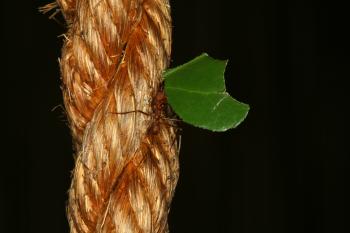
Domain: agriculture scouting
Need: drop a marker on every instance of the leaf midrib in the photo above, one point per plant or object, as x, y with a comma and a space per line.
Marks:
198, 92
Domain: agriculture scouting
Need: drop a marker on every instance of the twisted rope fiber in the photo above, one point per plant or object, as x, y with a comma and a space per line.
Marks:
126, 164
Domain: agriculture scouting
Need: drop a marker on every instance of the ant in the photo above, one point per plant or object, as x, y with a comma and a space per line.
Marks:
160, 112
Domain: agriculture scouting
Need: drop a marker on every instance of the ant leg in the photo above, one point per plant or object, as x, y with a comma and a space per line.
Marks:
176, 138
171, 123
133, 111
172, 119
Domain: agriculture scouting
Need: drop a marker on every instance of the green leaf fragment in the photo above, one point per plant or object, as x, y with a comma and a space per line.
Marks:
196, 92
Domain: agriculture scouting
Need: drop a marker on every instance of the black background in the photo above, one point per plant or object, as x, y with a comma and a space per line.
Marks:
283, 170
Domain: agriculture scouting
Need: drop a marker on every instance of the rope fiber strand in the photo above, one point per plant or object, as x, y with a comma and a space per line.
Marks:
126, 170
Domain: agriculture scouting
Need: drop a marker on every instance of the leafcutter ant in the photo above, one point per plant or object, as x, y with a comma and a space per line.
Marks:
161, 112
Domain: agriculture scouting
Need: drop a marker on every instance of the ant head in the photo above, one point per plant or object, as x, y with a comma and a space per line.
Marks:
160, 106
159, 101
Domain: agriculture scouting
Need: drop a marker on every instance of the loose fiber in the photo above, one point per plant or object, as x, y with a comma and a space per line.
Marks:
112, 62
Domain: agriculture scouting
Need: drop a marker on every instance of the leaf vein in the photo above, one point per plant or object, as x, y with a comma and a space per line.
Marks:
219, 102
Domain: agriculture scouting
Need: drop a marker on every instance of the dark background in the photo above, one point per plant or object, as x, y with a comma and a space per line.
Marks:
283, 170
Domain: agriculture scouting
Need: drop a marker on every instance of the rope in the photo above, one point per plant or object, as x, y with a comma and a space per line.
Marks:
113, 57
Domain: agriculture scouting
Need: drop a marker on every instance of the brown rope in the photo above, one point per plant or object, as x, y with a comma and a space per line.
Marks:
126, 164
